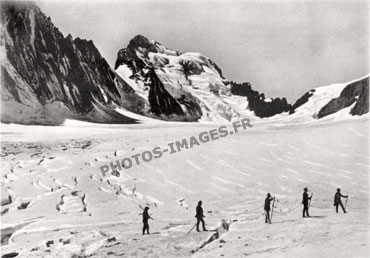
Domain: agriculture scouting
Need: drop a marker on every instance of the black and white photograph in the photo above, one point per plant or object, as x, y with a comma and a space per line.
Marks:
187, 128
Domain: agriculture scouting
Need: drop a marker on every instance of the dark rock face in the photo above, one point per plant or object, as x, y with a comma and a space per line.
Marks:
138, 43
267, 109
190, 68
362, 105
165, 105
163, 102
257, 102
355, 92
302, 100
55, 76
242, 89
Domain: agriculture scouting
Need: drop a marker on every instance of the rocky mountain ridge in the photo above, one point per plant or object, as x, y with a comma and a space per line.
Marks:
356, 94
47, 78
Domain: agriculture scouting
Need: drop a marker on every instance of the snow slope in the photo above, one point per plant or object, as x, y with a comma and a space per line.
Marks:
61, 205
321, 97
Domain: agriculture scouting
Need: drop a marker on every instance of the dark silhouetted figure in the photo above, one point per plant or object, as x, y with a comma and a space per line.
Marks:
146, 217
338, 201
305, 203
199, 215
267, 208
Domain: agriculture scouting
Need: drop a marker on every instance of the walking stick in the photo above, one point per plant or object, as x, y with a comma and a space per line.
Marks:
272, 210
191, 229
345, 205
309, 203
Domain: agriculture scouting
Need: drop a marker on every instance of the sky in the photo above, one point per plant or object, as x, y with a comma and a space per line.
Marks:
282, 47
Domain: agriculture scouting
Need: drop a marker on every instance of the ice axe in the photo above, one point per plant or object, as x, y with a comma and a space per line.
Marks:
272, 210
309, 203
191, 229
345, 205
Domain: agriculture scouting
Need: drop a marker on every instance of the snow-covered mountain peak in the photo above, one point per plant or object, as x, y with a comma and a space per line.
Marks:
190, 79
47, 78
194, 84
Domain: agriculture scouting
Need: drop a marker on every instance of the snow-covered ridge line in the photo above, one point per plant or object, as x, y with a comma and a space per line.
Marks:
330, 100
194, 79
149, 80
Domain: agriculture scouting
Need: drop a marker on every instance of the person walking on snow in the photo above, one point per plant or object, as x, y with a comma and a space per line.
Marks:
199, 215
305, 203
146, 218
338, 201
267, 208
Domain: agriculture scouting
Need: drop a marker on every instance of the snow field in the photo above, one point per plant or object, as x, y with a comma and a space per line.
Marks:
100, 215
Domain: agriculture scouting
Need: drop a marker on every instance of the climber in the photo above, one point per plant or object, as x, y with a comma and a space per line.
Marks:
146, 217
199, 215
267, 208
305, 203
338, 201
